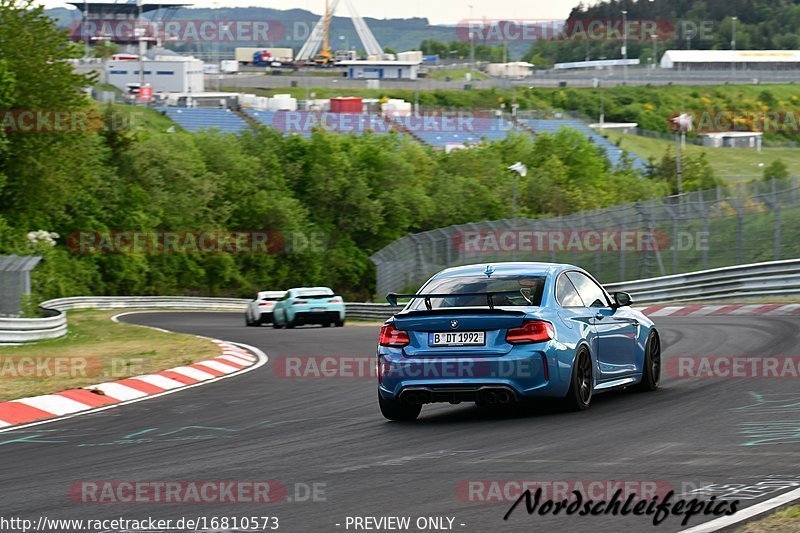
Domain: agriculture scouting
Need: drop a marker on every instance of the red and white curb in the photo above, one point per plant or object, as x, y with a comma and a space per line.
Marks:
235, 359
721, 310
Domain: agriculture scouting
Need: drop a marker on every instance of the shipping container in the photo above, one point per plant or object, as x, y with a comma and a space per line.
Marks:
347, 105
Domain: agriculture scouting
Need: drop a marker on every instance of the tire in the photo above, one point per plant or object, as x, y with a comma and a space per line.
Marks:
290, 324
247, 322
581, 386
275, 324
651, 374
326, 324
340, 323
398, 411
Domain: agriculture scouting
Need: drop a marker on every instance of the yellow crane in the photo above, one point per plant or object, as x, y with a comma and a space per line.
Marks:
325, 58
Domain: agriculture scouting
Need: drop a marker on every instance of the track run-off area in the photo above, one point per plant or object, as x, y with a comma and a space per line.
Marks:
324, 442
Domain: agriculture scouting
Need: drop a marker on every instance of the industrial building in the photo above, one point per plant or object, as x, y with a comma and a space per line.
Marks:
173, 74
382, 70
517, 70
728, 59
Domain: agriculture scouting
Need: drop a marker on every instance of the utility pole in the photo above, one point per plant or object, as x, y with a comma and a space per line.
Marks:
733, 42
625, 44
471, 42
655, 50
142, 47
85, 29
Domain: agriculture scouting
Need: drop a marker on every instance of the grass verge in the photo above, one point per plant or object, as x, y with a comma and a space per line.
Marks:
732, 165
94, 350
785, 521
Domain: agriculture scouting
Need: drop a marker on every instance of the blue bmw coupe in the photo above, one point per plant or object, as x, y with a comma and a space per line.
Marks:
508, 332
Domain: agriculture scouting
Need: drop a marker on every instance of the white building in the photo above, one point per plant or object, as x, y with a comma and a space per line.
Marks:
726, 59
519, 69
173, 74
734, 139
382, 70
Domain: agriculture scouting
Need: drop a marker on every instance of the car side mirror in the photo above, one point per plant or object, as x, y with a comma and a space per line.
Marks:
622, 299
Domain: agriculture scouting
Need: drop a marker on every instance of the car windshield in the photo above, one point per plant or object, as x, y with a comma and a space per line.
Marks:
508, 291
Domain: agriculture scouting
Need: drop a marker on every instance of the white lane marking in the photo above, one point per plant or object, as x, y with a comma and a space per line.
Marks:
747, 309
234, 359
216, 365
707, 310
55, 404
666, 311
242, 355
160, 381
262, 360
193, 373
119, 392
745, 514
784, 310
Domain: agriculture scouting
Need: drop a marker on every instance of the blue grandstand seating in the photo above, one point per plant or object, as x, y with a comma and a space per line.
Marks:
196, 119
442, 131
613, 151
304, 122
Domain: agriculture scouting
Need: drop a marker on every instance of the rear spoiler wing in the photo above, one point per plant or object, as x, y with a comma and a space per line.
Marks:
393, 297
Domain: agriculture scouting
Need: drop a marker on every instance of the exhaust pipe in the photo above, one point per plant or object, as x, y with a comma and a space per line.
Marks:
495, 397
415, 397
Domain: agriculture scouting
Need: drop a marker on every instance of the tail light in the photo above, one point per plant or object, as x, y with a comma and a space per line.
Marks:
268, 304
335, 301
531, 332
300, 302
393, 338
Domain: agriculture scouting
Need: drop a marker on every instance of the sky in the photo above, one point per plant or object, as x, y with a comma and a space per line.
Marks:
437, 11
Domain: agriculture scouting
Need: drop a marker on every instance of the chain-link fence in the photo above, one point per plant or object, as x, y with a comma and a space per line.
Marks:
745, 223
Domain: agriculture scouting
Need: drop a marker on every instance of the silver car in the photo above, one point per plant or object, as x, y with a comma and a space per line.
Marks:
261, 310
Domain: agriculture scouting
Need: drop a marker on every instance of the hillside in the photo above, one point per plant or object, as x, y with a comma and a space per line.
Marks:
397, 34
707, 25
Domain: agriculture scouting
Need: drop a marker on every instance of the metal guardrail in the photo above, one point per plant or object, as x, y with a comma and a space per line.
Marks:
16, 330
759, 280
146, 302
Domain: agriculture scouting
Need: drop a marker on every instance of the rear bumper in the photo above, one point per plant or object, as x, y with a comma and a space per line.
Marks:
487, 394
309, 317
265, 318
524, 372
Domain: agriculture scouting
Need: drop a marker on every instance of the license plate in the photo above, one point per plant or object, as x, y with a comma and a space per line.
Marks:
318, 310
457, 338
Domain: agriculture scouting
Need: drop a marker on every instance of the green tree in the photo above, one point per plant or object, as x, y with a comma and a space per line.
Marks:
777, 170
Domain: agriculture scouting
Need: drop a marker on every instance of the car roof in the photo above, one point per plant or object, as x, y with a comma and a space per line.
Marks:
507, 269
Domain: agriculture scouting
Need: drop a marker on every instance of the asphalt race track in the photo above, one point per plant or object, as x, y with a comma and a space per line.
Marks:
731, 438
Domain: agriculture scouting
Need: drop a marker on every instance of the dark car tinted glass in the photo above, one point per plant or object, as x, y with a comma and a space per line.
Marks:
517, 291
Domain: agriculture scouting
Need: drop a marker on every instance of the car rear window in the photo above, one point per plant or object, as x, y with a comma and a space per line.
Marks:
313, 293
515, 289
